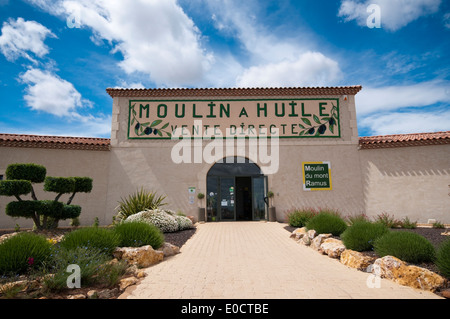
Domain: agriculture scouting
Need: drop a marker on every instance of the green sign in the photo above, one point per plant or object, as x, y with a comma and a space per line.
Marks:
316, 176
235, 118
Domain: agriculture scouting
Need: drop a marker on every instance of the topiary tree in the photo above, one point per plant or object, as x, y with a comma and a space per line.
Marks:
44, 213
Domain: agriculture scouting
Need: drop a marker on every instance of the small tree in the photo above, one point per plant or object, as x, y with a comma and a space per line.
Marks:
19, 181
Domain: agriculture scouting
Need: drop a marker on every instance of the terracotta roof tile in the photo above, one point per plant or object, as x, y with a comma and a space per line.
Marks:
103, 144
55, 142
400, 140
202, 92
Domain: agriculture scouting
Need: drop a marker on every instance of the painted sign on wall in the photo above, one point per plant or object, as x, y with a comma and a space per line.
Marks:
316, 176
290, 118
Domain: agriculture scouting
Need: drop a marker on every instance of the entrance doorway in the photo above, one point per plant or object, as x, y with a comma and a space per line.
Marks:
236, 189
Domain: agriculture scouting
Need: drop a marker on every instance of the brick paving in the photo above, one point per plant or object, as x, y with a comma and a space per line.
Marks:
257, 260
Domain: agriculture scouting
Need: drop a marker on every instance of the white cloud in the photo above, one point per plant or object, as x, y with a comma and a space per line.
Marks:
20, 37
155, 37
274, 58
404, 123
446, 20
47, 92
395, 14
309, 69
390, 98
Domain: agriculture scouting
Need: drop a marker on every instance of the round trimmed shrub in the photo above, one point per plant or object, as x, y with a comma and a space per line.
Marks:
59, 184
83, 184
25, 208
361, 235
136, 234
405, 245
443, 258
104, 239
158, 217
30, 172
327, 223
23, 251
15, 187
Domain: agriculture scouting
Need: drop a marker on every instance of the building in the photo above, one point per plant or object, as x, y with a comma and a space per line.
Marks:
236, 145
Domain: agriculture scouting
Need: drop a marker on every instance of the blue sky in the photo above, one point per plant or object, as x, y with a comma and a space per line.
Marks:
58, 57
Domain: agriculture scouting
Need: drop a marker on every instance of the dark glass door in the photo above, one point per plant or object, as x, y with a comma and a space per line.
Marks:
259, 190
227, 198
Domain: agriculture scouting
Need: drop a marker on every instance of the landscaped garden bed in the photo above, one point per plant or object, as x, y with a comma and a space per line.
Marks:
401, 246
91, 262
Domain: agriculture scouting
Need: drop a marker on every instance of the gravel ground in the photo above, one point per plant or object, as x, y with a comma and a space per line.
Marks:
179, 238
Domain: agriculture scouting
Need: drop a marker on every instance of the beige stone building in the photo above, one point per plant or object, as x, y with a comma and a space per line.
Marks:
237, 145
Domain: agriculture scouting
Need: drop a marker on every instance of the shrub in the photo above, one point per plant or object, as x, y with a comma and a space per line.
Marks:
137, 202
405, 245
158, 217
83, 184
25, 208
94, 268
23, 251
387, 220
361, 235
357, 218
443, 258
407, 224
327, 222
30, 172
19, 182
15, 187
61, 185
299, 218
438, 224
103, 239
182, 220
136, 234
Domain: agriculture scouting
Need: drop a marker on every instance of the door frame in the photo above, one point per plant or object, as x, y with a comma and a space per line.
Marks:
219, 196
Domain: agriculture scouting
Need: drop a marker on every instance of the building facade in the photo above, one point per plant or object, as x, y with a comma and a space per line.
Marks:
236, 146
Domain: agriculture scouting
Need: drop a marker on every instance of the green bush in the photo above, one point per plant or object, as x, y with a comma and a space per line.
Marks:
15, 187
299, 218
387, 220
25, 208
83, 184
136, 234
103, 239
30, 172
407, 224
137, 202
71, 211
405, 245
361, 235
94, 268
50, 208
59, 184
23, 251
327, 223
19, 182
357, 218
443, 258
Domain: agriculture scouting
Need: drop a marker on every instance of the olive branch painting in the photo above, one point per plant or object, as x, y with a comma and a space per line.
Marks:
148, 128
319, 126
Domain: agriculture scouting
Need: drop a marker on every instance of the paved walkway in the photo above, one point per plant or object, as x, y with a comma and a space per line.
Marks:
257, 260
